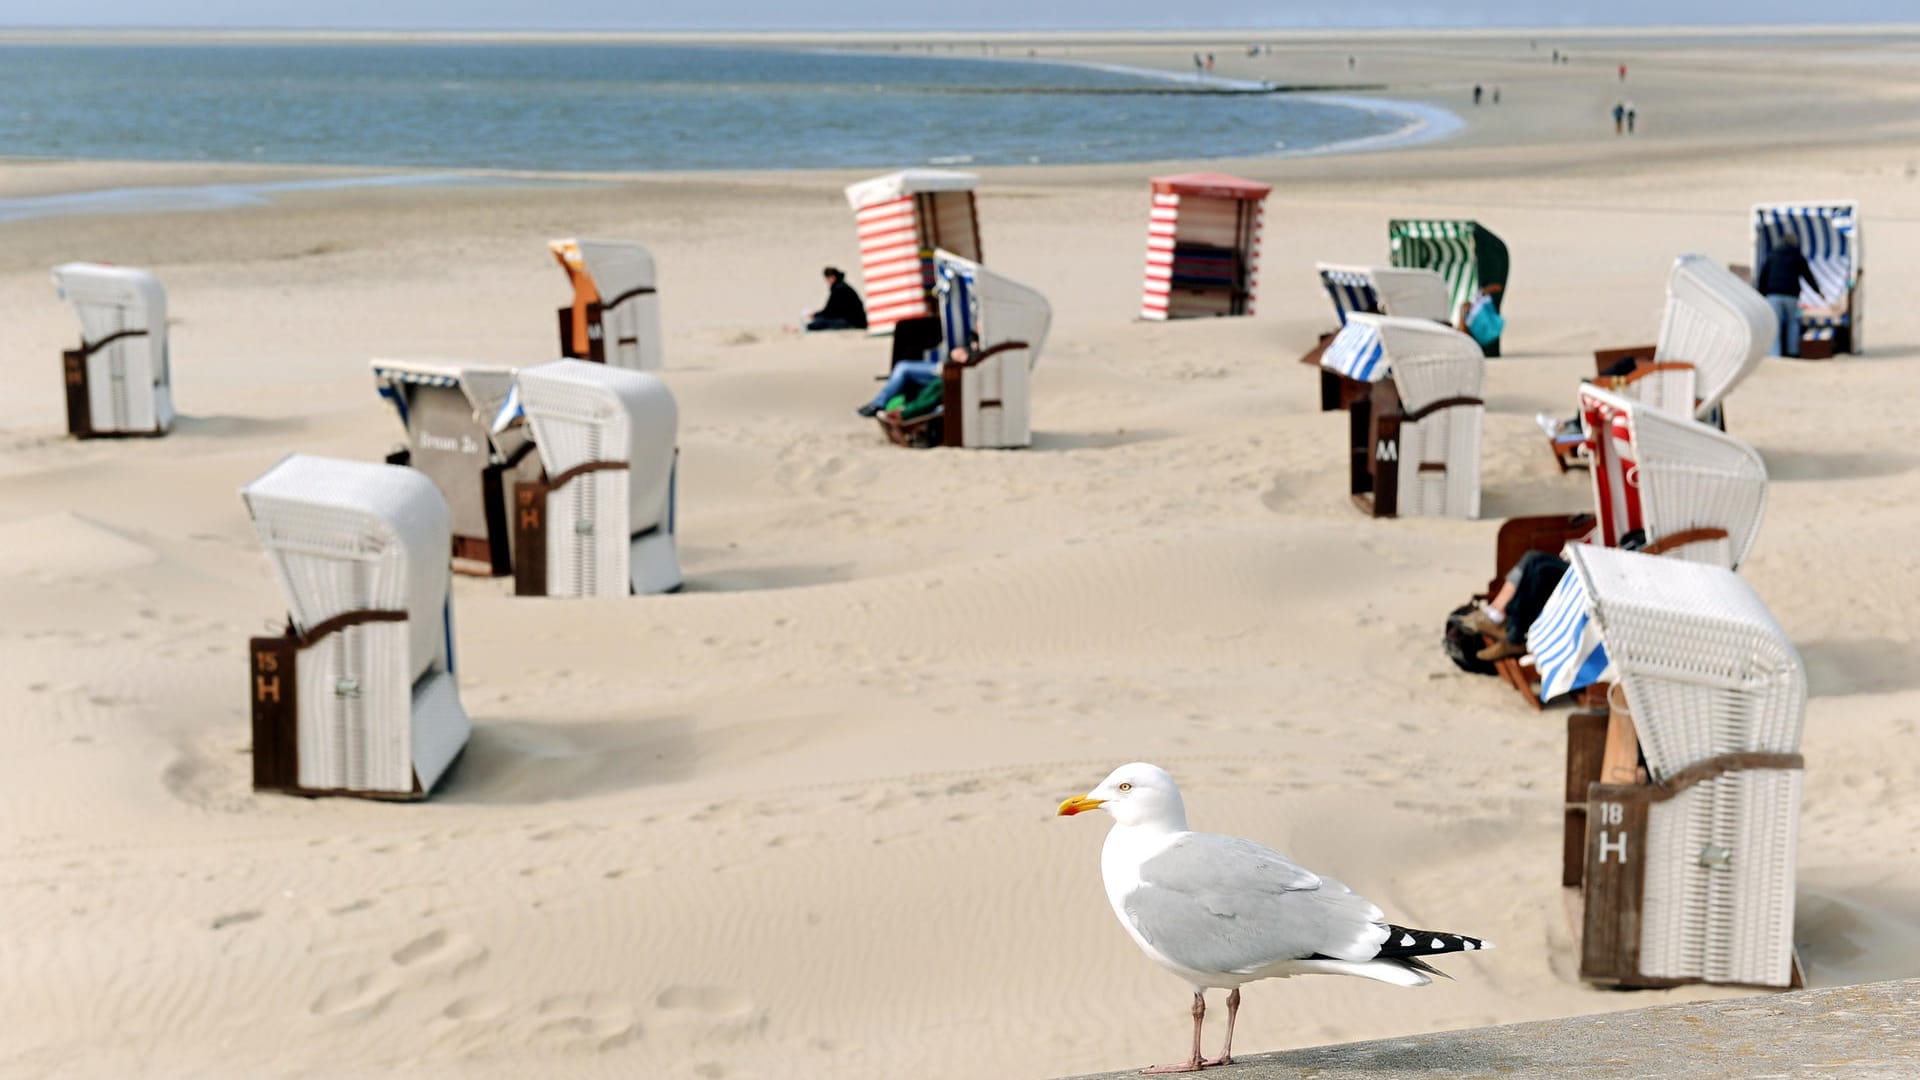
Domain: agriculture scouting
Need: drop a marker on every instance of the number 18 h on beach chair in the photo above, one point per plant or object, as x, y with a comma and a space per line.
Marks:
117, 380
358, 696
1415, 438
1688, 877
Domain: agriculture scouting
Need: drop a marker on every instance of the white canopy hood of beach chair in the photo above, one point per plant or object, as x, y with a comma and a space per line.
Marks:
892, 186
1429, 361
96, 288
1004, 309
128, 384
583, 413
1407, 292
485, 386
1717, 323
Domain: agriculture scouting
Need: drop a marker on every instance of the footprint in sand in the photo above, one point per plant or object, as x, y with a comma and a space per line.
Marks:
706, 1004
585, 1022
360, 995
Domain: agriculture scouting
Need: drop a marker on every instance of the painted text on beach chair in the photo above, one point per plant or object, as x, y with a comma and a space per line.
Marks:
1830, 237
903, 217
117, 380
358, 697
600, 520
447, 408
615, 314
1466, 253
1411, 293
1415, 439
986, 398
1203, 246
1689, 878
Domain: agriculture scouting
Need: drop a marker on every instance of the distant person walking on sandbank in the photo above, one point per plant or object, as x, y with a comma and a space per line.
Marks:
1476, 93
1623, 73
1496, 95
1619, 117
1630, 115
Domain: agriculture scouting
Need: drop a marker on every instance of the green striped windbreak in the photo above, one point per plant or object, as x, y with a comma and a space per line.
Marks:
1446, 247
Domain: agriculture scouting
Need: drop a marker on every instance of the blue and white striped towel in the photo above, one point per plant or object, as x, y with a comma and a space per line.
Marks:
1566, 645
1357, 353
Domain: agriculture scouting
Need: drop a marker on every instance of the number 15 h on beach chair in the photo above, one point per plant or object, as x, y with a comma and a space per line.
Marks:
1415, 439
117, 380
358, 697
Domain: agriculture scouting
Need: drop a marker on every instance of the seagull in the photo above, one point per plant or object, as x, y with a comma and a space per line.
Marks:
1219, 911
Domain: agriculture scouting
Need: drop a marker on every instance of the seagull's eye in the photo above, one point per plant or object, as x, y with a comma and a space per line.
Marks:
1126, 787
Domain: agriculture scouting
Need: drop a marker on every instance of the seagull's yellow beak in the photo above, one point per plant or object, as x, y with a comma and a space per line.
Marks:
1079, 804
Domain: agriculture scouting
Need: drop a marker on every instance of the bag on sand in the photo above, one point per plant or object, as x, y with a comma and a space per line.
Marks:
1462, 644
1484, 322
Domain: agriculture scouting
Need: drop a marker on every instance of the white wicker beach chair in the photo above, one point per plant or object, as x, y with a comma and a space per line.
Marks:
447, 408
615, 314
1408, 292
1715, 322
1696, 492
117, 380
986, 400
1718, 696
358, 698
1418, 435
1830, 236
601, 521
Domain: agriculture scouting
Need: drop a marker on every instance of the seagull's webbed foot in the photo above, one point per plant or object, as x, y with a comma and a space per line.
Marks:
1177, 1067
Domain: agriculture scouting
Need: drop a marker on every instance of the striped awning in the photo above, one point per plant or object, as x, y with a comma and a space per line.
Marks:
1351, 290
1565, 642
1829, 238
1357, 352
1445, 247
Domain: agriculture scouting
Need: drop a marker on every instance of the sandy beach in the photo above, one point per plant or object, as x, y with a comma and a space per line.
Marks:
797, 821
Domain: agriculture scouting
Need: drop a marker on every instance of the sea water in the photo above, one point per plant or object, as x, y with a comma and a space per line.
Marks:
620, 107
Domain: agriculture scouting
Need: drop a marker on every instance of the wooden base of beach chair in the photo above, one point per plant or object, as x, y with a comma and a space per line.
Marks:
1816, 348
1336, 390
275, 695
920, 433
595, 346
73, 371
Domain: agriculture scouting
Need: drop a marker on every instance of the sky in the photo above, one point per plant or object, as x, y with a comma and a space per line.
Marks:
908, 15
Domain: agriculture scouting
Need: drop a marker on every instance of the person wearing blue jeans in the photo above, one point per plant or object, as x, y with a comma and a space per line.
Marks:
906, 375
1778, 280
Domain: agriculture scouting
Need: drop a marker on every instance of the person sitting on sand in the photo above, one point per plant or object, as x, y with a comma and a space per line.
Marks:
844, 311
909, 376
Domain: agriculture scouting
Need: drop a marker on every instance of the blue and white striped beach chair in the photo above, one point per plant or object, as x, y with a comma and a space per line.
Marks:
1829, 236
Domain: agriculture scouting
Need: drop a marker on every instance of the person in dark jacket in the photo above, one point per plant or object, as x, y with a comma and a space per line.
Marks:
844, 311
1779, 281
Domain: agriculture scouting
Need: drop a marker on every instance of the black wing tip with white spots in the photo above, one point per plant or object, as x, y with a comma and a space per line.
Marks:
1404, 942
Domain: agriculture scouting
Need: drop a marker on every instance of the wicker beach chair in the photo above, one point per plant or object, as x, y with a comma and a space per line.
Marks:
1689, 877
986, 398
117, 381
615, 314
1713, 334
446, 408
600, 519
1466, 253
1415, 436
1830, 238
358, 696
1694, 492
1411, 293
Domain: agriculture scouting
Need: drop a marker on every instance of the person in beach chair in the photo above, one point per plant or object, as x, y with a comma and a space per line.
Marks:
843, 310
1505, 618
910, 380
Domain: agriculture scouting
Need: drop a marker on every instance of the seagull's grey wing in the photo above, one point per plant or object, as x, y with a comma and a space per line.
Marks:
1213, 903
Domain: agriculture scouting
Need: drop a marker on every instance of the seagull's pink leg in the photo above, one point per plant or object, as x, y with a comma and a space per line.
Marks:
1233, 1010
1193, 1063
